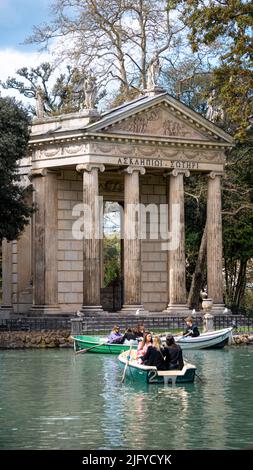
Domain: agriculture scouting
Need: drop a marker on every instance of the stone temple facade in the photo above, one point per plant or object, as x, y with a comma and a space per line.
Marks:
140, 152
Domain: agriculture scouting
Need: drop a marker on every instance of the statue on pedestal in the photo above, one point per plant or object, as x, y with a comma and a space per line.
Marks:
153, 71
214, 111
90, 91
39, 96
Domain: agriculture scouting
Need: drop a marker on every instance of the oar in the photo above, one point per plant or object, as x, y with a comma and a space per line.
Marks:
88, 349
127, 361
197, 375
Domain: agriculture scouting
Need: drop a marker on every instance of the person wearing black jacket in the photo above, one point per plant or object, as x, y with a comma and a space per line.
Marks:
191, 330
154, 355
173, 354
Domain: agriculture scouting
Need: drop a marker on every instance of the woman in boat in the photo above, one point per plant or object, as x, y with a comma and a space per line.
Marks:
173, 354
115, 336
129, 335
144, 344
139, 332
154, 355
192, 329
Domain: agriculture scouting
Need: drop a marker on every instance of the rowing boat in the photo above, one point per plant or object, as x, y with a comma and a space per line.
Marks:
210, 340
98, 344
136, 372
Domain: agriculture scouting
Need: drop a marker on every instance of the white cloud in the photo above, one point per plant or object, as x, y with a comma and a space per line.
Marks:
11, 60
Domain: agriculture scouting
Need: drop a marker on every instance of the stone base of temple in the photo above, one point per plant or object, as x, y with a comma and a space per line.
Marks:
91, 310
45, 310
219, 309
6, 311
133, 309
177, 310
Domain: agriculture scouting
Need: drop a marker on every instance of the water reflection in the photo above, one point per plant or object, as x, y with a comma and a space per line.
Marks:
54, 400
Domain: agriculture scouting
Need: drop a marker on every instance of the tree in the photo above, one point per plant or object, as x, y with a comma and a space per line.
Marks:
116, 39
62, 94
230, 22
14, 135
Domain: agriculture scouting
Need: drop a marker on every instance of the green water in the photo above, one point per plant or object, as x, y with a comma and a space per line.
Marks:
54, 400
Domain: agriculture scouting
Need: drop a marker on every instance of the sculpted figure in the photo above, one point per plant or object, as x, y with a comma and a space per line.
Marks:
153, 71
214, 112
90, 92
39, 96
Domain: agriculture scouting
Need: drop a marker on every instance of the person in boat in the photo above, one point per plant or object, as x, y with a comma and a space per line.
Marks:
115, 336
154, 355
139, 332
129, 335
144, 345
192, 329
173, 354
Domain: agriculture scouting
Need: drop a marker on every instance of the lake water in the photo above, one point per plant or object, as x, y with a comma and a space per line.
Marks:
51, 399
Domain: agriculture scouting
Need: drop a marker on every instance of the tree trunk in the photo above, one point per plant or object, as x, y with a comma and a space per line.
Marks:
198, 275
241, 283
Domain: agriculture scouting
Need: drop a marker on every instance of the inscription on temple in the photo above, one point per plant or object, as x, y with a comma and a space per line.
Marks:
154, 162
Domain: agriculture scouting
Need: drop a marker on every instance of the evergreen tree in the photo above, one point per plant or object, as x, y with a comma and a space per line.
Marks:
14, 135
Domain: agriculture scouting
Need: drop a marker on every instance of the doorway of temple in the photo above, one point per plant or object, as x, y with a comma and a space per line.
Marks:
112, 281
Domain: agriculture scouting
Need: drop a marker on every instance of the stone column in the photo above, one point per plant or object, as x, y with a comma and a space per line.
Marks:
132, 242
45, 242
214, 242
176, 246
7, 306
91, 241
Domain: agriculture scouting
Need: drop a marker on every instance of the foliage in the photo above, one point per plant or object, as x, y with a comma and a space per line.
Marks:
116, 39
61, 94
231, 23
14, 134
111, 259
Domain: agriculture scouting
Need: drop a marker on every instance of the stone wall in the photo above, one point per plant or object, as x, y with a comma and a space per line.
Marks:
35, 339
70, 250
154, 259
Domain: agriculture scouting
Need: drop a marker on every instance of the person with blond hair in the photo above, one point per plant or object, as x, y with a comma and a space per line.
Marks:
154, 355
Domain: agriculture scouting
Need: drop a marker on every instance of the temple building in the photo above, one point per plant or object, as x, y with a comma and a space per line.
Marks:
137, 155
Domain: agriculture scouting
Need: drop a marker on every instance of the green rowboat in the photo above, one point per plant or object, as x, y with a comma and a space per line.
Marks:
98, 344
136, 372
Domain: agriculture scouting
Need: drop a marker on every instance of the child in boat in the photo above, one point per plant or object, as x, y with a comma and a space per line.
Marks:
115, 336
173, 354
154, 355
192, 329
144, 345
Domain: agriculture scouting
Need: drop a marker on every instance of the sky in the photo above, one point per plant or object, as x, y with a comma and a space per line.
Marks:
17, 18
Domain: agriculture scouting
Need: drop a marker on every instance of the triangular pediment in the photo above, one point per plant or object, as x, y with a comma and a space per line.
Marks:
158, 116
157, 122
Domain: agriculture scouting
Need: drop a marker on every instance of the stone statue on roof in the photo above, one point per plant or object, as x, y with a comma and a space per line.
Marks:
153, 71
90, 91
214, 111
39, 96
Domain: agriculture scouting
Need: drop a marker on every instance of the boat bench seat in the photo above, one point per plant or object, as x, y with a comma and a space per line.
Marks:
173, 373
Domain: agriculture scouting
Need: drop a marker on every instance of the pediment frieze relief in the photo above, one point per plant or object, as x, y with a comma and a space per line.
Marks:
158, 122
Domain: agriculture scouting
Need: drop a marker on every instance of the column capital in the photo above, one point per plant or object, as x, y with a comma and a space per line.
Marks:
42, 172
213, 174
131, 169
178, 171
90, 166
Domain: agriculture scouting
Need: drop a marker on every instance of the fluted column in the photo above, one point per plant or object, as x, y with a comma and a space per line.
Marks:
6, 307
176, 246
91, 241
45, 242
132, 242
214, 241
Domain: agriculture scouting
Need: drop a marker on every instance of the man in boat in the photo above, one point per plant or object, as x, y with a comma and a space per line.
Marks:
173, 354
192, 329
115, 336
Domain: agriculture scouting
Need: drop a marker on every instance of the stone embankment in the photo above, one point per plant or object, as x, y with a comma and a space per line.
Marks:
243, 338
35, 339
